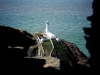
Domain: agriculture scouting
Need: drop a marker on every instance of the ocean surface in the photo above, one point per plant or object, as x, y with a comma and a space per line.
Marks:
67, 18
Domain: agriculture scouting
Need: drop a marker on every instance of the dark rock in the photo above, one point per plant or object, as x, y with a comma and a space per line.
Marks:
71, 55
14, 42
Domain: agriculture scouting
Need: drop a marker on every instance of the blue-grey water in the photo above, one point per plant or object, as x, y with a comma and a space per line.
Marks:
67, 18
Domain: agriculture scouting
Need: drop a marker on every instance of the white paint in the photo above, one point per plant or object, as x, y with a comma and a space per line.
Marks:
48, 33
47, 26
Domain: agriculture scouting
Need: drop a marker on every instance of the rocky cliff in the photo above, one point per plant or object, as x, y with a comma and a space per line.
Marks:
17, 44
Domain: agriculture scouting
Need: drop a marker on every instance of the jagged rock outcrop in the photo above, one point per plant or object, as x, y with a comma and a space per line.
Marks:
71, 55
16, 44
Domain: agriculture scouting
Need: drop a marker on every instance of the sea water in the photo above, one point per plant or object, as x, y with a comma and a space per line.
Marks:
67, 18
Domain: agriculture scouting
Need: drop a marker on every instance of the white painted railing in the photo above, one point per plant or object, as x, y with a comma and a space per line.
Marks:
52, 47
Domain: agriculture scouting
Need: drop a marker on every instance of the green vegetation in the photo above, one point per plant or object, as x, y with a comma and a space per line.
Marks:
61, 51
60, 48
58, 45
47, 46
